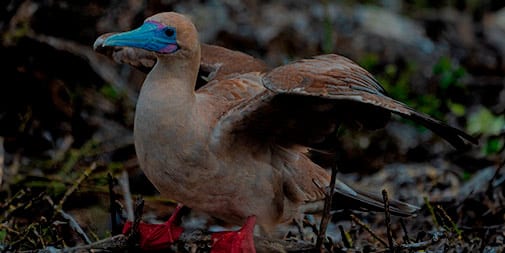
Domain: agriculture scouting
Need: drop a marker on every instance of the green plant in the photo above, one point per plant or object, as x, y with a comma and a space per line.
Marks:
490, 126
450, 73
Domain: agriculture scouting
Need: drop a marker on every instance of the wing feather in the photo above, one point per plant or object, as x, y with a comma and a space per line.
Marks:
306, 99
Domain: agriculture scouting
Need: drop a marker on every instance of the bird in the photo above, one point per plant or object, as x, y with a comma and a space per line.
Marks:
238, 146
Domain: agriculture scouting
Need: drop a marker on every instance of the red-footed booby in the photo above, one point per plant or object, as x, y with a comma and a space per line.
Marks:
236, 148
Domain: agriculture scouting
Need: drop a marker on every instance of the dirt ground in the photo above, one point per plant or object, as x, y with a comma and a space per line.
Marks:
67, 160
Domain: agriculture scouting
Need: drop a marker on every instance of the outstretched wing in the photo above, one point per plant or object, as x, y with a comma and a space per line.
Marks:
216, 62
307, 99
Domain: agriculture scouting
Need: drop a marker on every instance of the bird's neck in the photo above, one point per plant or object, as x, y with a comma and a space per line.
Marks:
166, 120
167, 100
174, 78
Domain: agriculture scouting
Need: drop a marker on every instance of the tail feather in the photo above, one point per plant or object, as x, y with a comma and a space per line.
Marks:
361, 200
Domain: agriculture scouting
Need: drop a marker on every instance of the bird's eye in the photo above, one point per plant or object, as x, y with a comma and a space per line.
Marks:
169, 32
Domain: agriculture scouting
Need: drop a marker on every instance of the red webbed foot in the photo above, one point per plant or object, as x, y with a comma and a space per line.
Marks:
241, 241
158, 236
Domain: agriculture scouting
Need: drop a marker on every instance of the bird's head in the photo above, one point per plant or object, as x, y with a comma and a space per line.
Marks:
166, 33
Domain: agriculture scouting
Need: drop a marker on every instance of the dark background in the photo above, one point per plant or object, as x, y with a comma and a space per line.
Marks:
65, 109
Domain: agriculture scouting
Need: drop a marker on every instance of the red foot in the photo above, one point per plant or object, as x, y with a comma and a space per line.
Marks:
240, 241
158, 236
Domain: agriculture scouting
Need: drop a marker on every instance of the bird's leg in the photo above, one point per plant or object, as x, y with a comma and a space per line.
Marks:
241, 241
158, 236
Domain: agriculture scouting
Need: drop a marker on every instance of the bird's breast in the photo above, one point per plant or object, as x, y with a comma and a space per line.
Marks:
170, 145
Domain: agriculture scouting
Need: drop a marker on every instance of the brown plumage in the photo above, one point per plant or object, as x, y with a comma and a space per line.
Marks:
237, 146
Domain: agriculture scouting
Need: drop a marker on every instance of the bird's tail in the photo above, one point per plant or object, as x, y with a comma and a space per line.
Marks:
346, 198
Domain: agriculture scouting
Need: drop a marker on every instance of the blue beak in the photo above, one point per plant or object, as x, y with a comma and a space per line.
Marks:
152, 36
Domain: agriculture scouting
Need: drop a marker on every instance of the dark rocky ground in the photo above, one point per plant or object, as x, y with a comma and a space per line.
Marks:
66, 115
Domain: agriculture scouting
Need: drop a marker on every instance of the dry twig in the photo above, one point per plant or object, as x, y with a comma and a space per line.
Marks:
74, 187
368, 229
405, 232
346, 239
448, 218
327, 206
388, 219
